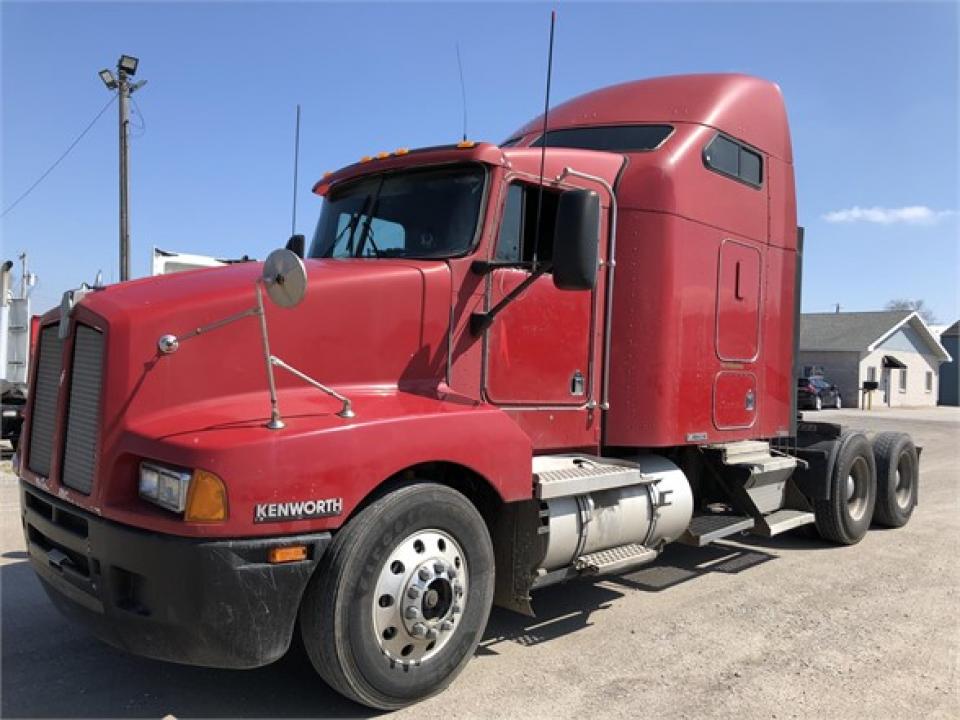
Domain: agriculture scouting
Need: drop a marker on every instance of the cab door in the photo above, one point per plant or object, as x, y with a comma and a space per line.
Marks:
538, 350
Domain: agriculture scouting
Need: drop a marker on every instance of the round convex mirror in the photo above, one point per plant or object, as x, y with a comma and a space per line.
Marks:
285, 278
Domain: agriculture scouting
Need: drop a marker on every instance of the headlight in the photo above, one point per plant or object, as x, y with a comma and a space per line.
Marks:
164, 486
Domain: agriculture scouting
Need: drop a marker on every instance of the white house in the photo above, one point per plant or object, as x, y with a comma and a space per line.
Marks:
895, 349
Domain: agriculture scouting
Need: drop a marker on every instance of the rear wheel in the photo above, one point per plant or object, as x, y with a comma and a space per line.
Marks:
898, 475
402, 597
845, 516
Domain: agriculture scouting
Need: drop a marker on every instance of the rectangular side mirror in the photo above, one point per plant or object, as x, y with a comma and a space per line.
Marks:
576, 241
297, 245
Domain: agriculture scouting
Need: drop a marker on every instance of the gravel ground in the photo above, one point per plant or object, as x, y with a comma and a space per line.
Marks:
782, 628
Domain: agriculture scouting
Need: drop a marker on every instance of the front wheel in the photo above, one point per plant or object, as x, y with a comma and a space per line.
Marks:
398, 605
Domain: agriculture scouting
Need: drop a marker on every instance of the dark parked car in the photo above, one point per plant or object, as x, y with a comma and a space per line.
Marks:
816, 393
12, 422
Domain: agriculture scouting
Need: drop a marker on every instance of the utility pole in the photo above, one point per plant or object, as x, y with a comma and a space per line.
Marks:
126, 68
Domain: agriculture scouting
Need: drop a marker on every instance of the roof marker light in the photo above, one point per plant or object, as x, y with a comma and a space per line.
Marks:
382, 155
366, 158
466, 144
401, 151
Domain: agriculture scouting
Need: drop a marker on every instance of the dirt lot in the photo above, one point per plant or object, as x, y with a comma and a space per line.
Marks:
781, 628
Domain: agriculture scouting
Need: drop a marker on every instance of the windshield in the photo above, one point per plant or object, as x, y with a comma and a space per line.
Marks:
426, 213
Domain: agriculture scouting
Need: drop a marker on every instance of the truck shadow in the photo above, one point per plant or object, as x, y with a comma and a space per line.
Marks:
52, 668
562, 610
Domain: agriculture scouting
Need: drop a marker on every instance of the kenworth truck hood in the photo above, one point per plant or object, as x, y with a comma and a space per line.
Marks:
363, 325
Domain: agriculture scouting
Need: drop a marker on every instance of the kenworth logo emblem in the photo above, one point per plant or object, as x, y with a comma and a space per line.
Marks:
300, 510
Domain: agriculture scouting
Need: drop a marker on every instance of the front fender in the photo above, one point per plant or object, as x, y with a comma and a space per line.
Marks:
320, 456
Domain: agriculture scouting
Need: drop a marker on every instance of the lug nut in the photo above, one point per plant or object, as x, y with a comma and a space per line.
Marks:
446, 626
458, 589
419, 630
411, 613
424, 573
413, 593
439, 567
431, 634
455, 609
452, 572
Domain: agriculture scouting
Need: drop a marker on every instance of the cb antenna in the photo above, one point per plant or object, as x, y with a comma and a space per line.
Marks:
463, 93
543, 139
296, 165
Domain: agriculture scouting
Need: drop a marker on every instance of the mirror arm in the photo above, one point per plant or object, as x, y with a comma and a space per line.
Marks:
480, 321
169, 343
482, 267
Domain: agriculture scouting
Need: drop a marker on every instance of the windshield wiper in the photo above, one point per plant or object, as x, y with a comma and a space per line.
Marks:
366, 225
351, 226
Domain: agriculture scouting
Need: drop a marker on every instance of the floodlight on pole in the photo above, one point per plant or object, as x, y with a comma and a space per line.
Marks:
108, 79
128, 64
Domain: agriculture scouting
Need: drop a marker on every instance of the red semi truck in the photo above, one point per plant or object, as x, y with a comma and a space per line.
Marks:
473, 385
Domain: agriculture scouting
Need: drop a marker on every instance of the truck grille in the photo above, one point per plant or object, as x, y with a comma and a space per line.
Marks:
46, 395
83, 414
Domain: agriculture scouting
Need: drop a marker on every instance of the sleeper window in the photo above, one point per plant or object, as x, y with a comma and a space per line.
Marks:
729, 157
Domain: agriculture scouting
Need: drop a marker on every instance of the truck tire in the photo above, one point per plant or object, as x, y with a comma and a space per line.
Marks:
898, 476
845, 517
398, 604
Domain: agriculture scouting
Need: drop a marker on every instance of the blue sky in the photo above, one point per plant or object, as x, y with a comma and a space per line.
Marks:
871, 89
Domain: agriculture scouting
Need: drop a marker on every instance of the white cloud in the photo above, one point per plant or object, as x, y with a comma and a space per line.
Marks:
912, 214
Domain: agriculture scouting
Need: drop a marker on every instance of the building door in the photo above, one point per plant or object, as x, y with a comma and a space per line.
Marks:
885, 385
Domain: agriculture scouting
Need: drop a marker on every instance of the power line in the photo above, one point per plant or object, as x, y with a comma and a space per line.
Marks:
142, 126
59, 159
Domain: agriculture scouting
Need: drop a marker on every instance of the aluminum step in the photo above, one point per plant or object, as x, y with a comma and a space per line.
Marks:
615, 559
781, 521
704, 529
565, 475
755, 453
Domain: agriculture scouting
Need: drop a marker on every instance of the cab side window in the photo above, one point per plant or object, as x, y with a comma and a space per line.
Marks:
517, 241
728, 157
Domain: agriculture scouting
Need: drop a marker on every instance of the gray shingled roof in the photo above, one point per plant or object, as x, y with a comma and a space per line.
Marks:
847, 330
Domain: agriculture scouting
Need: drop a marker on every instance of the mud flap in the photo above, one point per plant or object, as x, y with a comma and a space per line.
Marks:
519, 546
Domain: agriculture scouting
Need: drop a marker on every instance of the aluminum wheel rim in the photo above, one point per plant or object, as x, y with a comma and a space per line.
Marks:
904, 488
420, 595
858, 484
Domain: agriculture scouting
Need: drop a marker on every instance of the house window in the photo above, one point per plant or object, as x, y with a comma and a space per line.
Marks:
903, 380
871, 374
731, 158
929, 381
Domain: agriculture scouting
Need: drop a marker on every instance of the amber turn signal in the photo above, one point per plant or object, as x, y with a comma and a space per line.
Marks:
206, 498
287, 554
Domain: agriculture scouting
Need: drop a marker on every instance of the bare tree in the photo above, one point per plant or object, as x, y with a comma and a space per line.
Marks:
918, 306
